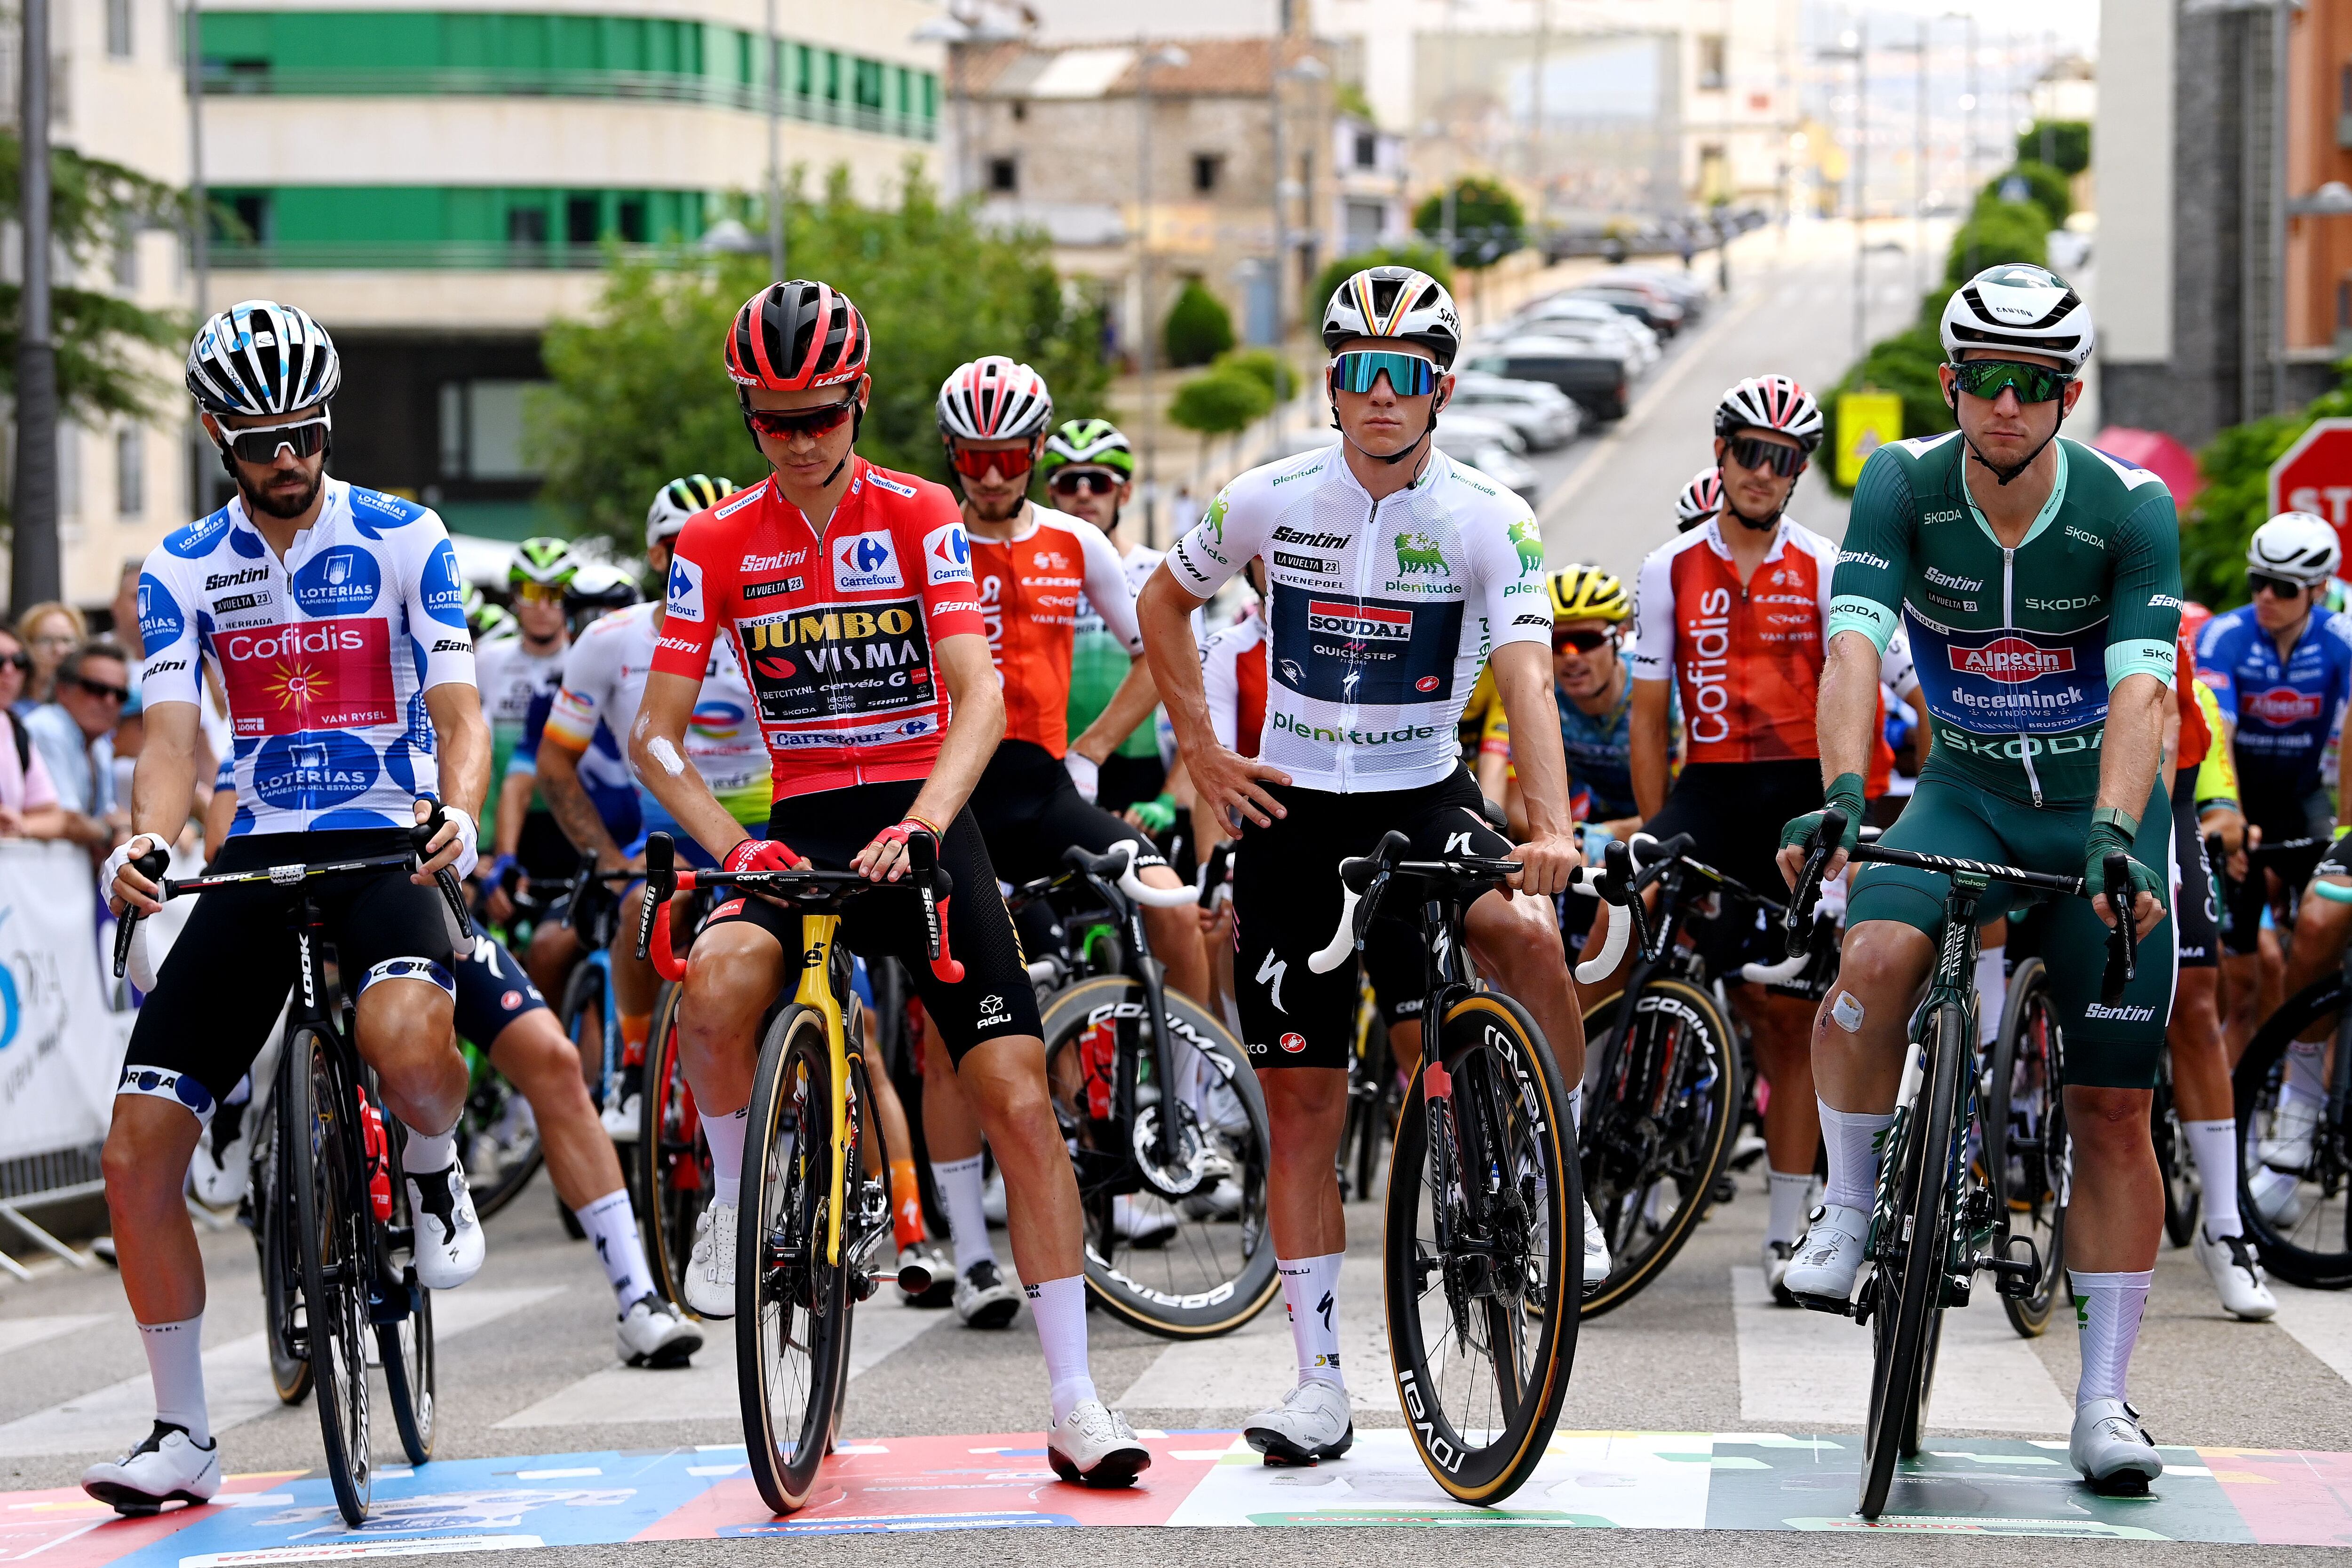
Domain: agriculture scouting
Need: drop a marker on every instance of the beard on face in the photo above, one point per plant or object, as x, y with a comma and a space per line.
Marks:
293, 506
996, 508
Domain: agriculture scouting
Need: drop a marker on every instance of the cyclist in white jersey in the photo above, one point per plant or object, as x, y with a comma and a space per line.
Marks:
514, 671
334, 617
1393, 572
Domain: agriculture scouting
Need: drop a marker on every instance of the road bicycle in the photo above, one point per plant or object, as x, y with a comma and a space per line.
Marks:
816, 1204
334, 1188
1942, 1211
1481, 1245
2294, 1193
1163, 1116
2024, 1138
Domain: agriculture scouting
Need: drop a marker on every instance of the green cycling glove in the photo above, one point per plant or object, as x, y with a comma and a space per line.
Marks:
1845, 794
1157, 816
2110, 830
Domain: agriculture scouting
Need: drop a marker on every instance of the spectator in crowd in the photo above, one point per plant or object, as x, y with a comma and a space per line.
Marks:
125, 610
49, 631
75, 734
28, 800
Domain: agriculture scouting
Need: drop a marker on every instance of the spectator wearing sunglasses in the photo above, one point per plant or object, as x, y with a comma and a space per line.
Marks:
49, 631
74, 736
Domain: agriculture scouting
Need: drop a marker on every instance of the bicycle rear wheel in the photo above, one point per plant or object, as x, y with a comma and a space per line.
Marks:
673, 1159
2181, 1192
330, 1202
497, 1138
2299, 1215
1483, 1244
2028, 1157
1184, 1252
1657, 1130
282, 1310
791, 1304
1912, 1246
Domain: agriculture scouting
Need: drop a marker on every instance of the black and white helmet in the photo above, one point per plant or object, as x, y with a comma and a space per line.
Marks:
680, 499
1394, 302
2022, 308
2298, 546
261, 357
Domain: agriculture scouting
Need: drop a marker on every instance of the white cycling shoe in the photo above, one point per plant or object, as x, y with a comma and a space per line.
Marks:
620, 1118
2109, 1447
166, 1467
1142, 1221
1597, 1261
711, 1272
1829, 1256
2289, 1147
2279, 1198
449, 1246
2236, 1277
991, 1198
219, 1171
654, 1333
1775, 1258
1312, 1424
1095, 1447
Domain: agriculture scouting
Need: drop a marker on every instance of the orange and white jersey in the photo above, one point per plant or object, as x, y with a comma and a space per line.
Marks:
1030, 589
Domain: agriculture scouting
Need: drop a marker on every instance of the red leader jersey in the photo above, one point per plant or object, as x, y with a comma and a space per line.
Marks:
836, 631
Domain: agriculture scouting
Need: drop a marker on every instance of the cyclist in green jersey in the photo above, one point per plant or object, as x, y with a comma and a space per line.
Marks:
2041, 582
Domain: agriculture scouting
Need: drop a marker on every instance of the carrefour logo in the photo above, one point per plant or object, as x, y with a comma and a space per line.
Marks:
340, 582
685, 588
947, 555
865, 561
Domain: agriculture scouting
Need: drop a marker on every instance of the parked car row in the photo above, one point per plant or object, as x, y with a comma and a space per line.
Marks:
1594, 340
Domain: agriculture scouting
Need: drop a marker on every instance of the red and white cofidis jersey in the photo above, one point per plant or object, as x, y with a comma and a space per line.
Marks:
325, 655
1029, 587
1233, 673
838, 633
1746, 658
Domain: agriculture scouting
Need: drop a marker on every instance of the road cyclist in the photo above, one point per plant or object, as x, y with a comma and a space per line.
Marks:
1700, 499
516, 671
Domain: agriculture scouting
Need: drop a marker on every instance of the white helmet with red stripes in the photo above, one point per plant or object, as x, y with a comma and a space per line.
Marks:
1770, 402
994, 398
1700, 499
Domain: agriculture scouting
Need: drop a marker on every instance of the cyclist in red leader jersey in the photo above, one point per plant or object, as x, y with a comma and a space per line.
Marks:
849, 595
1732, 614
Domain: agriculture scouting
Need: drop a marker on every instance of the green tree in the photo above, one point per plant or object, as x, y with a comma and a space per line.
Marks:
1199, 326
1220, 401
2046, 186
2070, 144
2235, 501
640, 393
1488, 222
1427, 259
1267, 366
1997, 231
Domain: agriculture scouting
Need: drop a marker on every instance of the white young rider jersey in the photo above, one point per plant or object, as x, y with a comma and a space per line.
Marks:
510, 675
604, 679
1897, 672
325, 656
1381, 614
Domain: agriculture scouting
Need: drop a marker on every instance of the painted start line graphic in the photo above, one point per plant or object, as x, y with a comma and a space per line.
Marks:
1598, 1480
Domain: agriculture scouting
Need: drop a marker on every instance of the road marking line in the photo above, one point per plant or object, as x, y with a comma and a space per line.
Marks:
2320, 1322
237, 1384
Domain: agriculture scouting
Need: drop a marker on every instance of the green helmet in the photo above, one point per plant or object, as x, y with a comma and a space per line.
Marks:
542, 559
1094, 442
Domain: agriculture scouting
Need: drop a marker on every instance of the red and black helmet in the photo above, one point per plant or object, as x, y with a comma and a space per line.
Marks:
795, 335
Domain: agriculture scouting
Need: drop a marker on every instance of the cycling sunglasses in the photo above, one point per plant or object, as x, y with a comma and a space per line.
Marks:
16, 662
1008, 461
1409, 375
1085, 481
1755, 455
1584, 642
540, 594
1986, 378
260, 444
2279, 586
783, 423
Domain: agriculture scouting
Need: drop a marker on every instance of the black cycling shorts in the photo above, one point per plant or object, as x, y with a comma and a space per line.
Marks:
1287, 906
2281, 818
230, 969
2197, 913
492, 992
1029, 811
1734, 811
828, 829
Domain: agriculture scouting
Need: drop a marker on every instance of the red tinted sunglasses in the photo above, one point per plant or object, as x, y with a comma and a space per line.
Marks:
1007, 462
781, 423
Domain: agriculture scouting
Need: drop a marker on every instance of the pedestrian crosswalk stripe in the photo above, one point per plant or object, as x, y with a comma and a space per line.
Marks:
2320, 1322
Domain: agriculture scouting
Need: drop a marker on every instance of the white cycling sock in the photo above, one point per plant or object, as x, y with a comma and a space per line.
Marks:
176, 1365
1576, 1108
1058, 1307
1851, 1140
1992, 993
1789, 1193
1311, 1295
424, 1154
2214, 1147
2306, 1078
2109, 1307
960, 1191
612, 1223
725, 1136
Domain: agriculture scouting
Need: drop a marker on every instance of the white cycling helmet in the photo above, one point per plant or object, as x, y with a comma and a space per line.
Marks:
2296, 546
1770, 402
2020, 307
1394, 302
260, 356
1700, 499
994, 398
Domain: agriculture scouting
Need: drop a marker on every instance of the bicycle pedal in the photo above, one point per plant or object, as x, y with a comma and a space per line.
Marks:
1826, 1304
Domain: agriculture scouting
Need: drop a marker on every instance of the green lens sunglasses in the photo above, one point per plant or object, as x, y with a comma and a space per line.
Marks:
1986, 378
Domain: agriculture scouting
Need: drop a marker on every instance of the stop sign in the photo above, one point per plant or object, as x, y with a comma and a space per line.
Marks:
2315, 475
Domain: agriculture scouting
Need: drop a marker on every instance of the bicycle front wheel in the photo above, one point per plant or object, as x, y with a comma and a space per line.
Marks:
274, 1230
407, 1346
1183, 1251
1484, 1252
791, 1304
2028, 1158
1657, 1131
329, 1200
673, 1159
2294, 1188
1911, 1245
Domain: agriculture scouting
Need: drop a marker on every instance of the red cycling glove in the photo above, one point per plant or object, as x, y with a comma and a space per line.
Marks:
900, 831
761, 854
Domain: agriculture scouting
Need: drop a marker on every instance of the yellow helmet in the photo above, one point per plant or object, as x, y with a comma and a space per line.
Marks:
1588, 593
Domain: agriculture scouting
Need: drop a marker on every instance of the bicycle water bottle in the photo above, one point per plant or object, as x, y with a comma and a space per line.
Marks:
379, 1158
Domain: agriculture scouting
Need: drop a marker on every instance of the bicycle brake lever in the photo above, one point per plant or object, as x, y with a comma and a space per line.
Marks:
2123, 943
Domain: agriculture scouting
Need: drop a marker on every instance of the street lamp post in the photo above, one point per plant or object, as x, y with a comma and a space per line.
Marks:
775, 149
1308, 69
33, 552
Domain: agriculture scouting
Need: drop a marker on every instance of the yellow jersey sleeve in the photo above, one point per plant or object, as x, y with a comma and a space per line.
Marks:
2216, 776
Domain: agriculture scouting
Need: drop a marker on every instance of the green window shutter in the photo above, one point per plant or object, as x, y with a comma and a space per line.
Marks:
575, 44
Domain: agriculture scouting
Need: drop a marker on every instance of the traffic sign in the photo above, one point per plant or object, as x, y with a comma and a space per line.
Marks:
2315, 475
1866, 421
